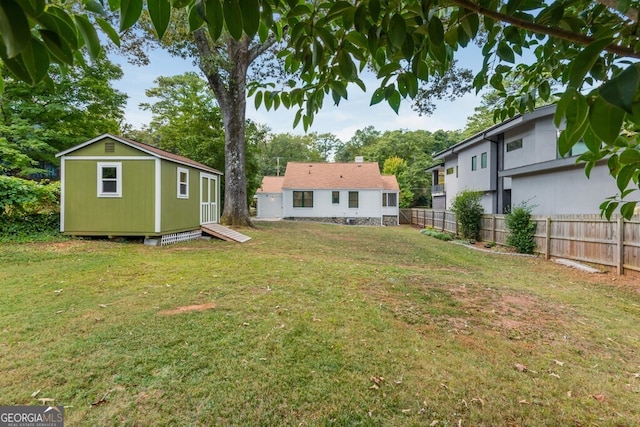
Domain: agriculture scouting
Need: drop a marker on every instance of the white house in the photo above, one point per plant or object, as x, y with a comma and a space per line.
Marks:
343, 193
517, 161
269, 197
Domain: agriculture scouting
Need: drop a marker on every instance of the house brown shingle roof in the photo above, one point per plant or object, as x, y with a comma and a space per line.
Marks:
271, 184
365, 175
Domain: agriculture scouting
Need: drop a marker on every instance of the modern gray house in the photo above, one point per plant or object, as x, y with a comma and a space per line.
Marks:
517, 161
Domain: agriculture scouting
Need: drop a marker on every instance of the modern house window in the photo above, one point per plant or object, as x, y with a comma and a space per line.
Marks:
183, 183
450, 171
483, 160
389, 199
335, 197
514, 145
578, 148
109, 179
353, 199
303, 199
474, 163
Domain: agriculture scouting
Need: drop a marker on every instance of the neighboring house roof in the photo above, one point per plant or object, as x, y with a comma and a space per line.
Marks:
335, 176
271, 184
149, 149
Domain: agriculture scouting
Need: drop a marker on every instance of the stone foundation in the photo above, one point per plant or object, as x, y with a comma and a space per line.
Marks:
342, 221
389, 220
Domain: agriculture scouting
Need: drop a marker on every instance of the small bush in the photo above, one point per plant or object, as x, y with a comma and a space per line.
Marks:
29, 210
521, 228
438, 235
468, 212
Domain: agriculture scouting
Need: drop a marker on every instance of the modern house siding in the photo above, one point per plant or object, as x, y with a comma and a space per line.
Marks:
523, 165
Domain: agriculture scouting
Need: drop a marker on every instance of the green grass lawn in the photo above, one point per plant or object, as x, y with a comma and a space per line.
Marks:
315, 324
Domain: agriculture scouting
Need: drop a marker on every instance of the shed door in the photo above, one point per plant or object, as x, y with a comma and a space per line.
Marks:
208, 198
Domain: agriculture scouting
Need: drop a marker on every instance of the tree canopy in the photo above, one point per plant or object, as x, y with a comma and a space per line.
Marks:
590, 47
38, 121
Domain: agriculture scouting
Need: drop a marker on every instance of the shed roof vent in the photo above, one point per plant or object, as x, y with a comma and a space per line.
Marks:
109, 147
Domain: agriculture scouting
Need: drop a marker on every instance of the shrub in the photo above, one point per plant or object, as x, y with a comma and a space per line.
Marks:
28, 210
468, 212
438, 235
521, 229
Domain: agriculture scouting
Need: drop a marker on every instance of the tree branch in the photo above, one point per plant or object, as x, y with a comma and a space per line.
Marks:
542, 29
213, 76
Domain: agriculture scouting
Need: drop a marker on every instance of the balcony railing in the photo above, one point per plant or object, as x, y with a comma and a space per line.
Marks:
437, 189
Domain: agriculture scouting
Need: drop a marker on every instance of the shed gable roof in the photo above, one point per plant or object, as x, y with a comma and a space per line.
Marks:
328, 176
146, 148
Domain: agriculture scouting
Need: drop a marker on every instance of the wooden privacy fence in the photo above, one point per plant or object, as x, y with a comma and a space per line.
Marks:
614, 244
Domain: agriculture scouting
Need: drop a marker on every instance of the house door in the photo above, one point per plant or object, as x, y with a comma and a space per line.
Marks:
208, 198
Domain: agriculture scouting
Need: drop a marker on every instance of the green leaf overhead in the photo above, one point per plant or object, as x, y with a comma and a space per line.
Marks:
14, 28
214, 17
233, 18
160, 13
130, 11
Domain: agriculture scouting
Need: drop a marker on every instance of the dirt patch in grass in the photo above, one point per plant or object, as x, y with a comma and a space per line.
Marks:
188, 309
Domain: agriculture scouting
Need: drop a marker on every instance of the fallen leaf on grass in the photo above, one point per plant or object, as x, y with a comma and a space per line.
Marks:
559, 362
520, 367
35, 393
553, 374
599, 397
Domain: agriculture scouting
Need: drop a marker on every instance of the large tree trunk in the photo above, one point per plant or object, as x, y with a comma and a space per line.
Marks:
232, 98
236, 210
225, 64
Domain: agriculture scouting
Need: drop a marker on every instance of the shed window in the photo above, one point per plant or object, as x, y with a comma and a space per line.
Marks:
389, 199
303, 199
109, 179
353, 199
335, 197
183, 183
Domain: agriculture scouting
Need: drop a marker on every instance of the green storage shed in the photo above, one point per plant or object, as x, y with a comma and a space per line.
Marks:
113, 186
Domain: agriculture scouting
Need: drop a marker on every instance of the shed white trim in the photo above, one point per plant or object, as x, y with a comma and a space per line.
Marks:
62, 193
158, 196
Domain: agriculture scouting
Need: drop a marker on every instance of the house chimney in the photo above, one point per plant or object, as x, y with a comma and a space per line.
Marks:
359, 159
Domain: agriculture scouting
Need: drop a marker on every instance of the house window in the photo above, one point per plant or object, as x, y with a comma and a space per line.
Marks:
353, 199
483, 160
474, 163
335, 197
109, 179
183, 183
450, 171
514, 145
389, 199
578, 148
303, 199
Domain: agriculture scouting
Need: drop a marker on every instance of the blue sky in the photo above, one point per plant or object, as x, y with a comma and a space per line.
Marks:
342, 120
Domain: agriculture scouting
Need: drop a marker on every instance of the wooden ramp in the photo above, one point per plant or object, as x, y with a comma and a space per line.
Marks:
224, 233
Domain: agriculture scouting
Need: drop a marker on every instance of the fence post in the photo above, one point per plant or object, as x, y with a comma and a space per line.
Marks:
433, 218
493, 228
547, 241
620, 245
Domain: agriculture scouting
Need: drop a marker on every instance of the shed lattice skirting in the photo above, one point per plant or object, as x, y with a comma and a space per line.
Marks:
168, 239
